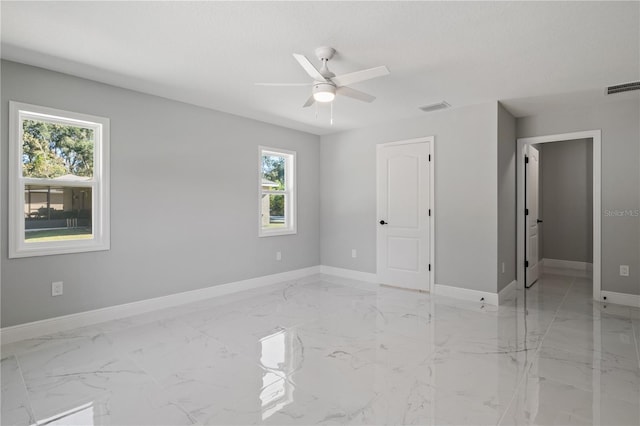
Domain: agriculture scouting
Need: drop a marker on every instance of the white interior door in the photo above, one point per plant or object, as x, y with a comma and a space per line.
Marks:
533, 268
403, 215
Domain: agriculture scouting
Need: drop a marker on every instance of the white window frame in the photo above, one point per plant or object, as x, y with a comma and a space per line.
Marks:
289, 192
99, 183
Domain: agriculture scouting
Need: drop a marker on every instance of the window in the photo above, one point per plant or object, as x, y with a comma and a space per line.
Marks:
59, 181
277, 192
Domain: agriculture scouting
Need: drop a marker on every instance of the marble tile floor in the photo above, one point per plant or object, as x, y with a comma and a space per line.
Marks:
326, 350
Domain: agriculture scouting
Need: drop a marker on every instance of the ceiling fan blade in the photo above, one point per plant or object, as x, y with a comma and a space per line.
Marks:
358, 76
355, 94
284, 84
308, 67
309, 102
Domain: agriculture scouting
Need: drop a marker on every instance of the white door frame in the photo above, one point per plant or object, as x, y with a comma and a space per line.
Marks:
432, 227
533, 267
596, 136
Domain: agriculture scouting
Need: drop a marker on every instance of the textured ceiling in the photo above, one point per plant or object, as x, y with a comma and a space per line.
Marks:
212, 53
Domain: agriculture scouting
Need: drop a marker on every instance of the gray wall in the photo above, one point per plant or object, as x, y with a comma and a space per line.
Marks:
566, 191
466, 197
506, 197
620, 178
183, 201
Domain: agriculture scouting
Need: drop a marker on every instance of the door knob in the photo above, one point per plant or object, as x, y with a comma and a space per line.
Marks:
538, 221
382, 222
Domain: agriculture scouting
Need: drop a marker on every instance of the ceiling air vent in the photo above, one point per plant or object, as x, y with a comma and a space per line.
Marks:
626, 87
435, 107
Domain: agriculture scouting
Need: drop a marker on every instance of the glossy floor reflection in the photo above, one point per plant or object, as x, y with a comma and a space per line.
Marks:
325, 350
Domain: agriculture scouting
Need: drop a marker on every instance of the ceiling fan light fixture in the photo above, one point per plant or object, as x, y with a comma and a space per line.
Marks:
324, 92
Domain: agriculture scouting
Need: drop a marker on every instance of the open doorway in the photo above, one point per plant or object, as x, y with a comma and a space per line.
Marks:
585, 248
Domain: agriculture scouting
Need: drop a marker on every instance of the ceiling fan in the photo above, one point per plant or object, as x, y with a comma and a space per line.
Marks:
326, 85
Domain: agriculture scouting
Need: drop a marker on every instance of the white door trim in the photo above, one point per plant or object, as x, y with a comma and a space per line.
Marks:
532, 204
432, 185
596, 136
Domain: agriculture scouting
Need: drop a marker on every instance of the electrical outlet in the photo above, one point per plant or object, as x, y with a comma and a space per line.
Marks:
278, 255
354, 253
624, 270
56, 288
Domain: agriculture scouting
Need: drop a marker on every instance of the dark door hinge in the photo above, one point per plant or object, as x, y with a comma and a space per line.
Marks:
429, 157
526, 212
526, 160
429, 266
526, 263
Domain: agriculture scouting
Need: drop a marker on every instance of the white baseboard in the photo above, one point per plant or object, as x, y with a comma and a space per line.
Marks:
67, 322
349, 273
506, 292
467, 294
621, 298
444, 290
81, 319
567, 264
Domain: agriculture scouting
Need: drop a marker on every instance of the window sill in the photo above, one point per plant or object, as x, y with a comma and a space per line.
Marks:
264, 233
56, 249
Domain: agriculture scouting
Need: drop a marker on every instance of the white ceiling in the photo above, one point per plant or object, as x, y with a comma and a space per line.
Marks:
526, 54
